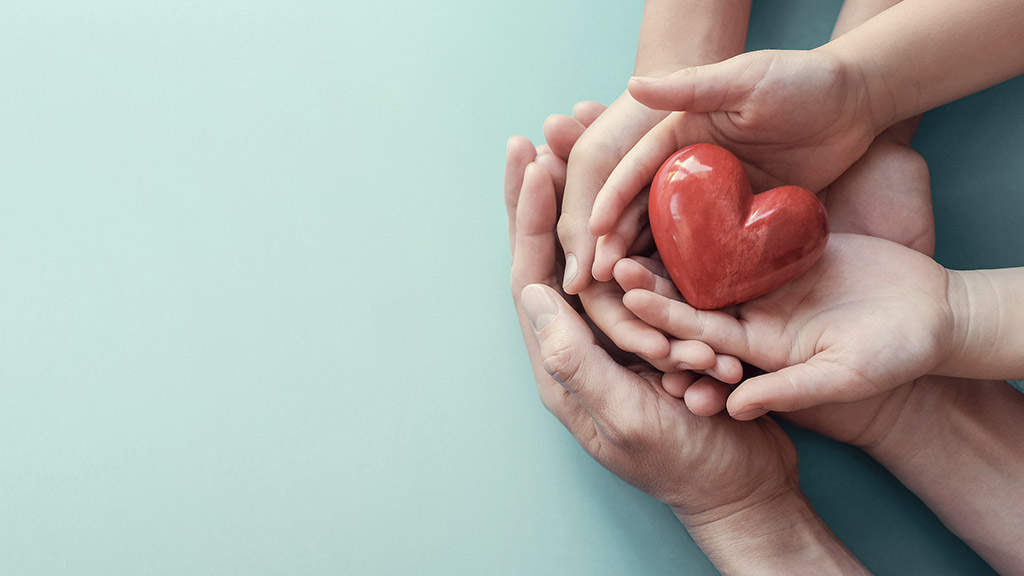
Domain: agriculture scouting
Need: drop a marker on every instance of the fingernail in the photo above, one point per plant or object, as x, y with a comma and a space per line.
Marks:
750, 412
572, 267
539, 306
643, 79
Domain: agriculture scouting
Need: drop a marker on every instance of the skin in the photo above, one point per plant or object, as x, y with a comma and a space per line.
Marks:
732, 484
929, 428
897, 427
673, 34
603, 300
804, 117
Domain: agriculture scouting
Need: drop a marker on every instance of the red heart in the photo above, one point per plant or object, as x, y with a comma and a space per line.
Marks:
722, 244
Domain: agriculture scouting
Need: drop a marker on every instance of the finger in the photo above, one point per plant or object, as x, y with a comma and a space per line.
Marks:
569, 355
519, 152
706, 396
592, 159
553, 395
727, 369
534, 261
534, 258
644, 274
723, 86
690, 355
633, 172
612, 247
586, 112
561, 133
603, 303
676, 383
812, 383
556, 169
722, 332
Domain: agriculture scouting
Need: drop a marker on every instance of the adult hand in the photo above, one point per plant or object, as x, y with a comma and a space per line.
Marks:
732, 484
702, 468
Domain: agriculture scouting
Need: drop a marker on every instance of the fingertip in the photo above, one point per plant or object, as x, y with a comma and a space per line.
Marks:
572, 281
742, 406
747, 413
539, 304
620, 272
656, 346
706, 397
587, 111
551, 121
603, 214
517, 143
695, 354
727, 369
608, 252
676, 383
599, 224
639, 87
629, 274
642, 81
633, 297
533, 171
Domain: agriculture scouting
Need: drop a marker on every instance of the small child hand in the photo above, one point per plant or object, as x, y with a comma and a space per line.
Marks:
792, 117
704, 394
870, 316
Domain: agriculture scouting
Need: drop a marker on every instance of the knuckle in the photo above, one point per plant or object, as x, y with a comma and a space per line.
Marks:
700, 325
569, 227
560, 359
595, 149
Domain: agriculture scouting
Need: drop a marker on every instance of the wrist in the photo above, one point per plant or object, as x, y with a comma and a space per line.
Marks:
677, 35
958, 445
959, 294
779, 534
986, 317
875, 96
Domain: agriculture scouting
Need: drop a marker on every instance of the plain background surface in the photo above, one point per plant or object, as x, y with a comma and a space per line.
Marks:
254, 306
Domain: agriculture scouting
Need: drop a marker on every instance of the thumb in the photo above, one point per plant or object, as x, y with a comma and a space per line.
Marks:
795, 388
721, 87
569, 352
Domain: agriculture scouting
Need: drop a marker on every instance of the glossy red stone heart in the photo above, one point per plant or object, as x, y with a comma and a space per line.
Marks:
721, 243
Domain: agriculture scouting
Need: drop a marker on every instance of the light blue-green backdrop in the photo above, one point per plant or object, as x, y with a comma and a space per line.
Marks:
254, 306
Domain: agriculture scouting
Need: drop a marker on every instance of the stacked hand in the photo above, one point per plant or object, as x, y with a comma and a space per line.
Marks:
791, 117
703, 468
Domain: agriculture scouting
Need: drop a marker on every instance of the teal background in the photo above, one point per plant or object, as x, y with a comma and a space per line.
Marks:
254, 306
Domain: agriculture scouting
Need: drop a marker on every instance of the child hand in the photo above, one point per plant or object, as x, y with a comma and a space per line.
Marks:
603, 300
706, 394
595, 153
791, 117
869, 316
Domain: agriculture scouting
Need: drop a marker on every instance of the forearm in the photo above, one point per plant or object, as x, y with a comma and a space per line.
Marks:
675, 34
856, 12
988, 324
959, 446
920, 54
780, 536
